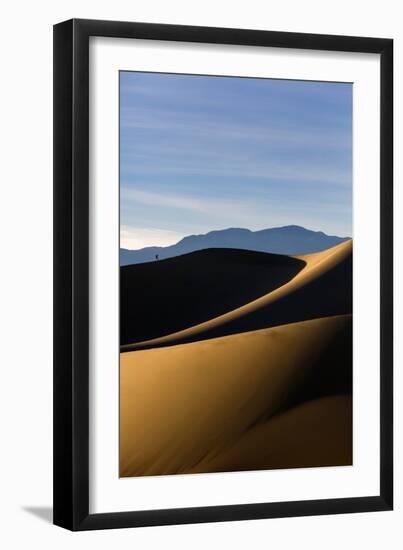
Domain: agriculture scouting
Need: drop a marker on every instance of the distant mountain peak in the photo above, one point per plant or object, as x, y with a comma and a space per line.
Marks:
288, 240
231, 230
292, 227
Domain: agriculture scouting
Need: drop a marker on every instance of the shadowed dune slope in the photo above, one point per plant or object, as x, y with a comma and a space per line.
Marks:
313, 434
249, 397
170, 295
322, 288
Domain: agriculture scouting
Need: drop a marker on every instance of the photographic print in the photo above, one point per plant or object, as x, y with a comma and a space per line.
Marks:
206, 367
235, 274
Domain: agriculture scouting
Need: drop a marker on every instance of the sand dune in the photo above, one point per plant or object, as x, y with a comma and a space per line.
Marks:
314, 433
181, 292
270, 398
323, 287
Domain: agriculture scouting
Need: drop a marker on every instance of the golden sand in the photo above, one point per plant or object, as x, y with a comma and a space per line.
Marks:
316, 265
212, 405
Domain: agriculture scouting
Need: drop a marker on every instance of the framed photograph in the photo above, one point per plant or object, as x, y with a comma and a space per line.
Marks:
223, 240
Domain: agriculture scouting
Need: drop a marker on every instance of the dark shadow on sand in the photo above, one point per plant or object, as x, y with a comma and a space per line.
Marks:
167, 296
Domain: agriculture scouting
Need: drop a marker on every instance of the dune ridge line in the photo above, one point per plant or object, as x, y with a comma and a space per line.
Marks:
316, 265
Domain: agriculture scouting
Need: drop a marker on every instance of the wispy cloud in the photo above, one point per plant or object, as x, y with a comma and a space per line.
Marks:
140, 237
183, 124
171, 142
212, 206
182, 215
268, 171
210, 152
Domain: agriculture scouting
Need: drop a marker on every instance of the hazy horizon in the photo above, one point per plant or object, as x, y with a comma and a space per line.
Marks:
233, 228
202, 153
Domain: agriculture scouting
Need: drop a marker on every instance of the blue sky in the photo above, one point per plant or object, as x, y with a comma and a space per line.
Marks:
199, 153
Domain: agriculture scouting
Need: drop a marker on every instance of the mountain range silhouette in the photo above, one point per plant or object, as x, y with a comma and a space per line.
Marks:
289, 240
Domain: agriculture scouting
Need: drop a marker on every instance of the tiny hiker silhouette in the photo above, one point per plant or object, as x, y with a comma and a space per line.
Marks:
156, 256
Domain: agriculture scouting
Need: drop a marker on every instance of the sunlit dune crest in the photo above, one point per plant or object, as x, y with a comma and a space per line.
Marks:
316, 266
171, 295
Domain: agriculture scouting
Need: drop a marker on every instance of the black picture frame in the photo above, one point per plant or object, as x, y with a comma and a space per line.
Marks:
71, 274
